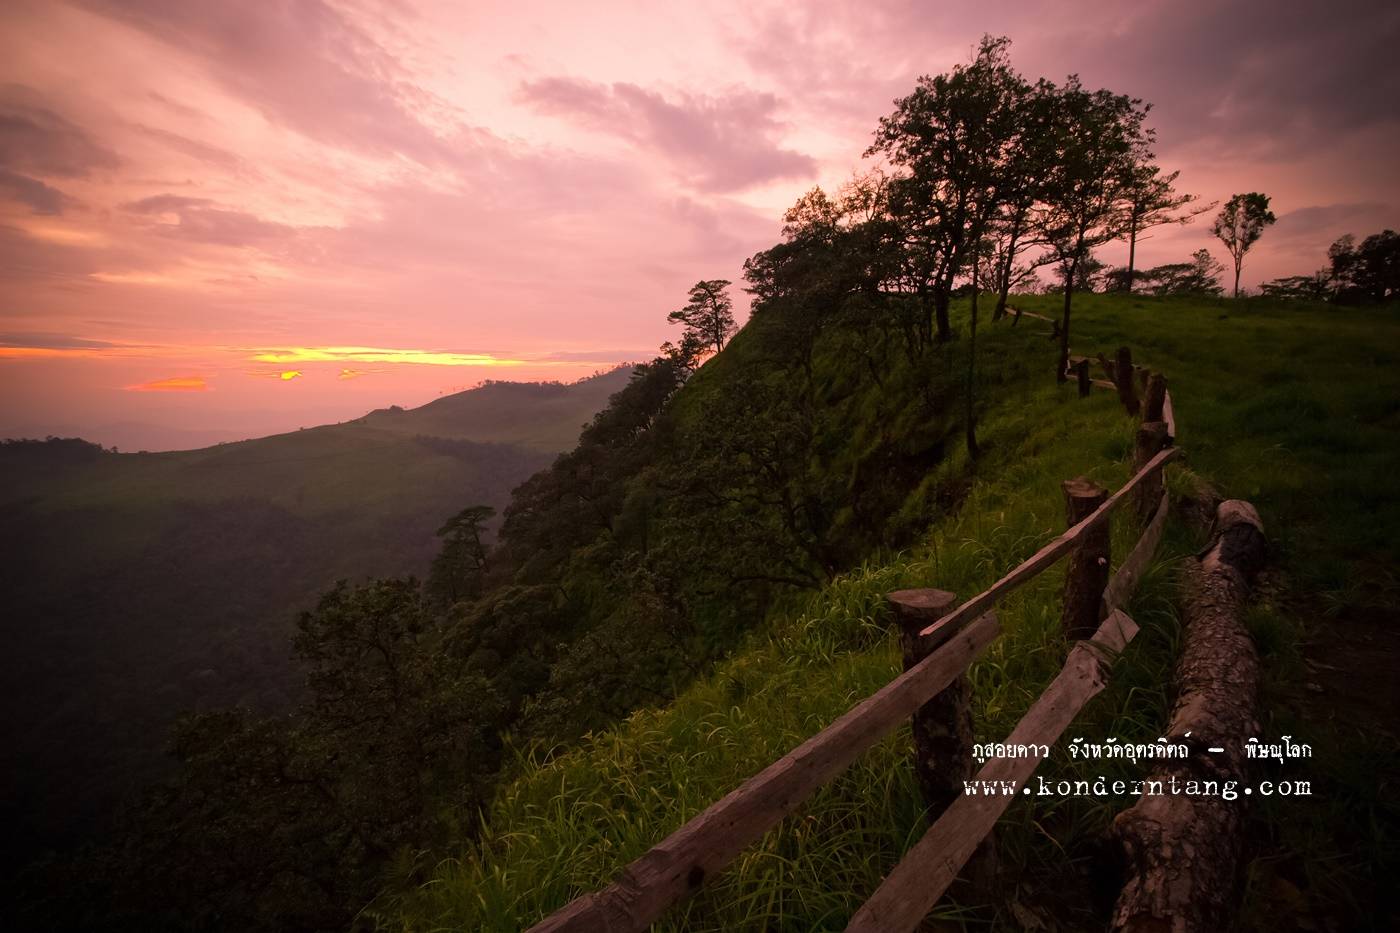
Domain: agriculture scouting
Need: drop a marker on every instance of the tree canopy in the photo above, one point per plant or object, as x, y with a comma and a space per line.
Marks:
1239, 226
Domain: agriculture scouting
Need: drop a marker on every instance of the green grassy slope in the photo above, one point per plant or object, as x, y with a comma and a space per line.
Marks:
1293, 407
141, 585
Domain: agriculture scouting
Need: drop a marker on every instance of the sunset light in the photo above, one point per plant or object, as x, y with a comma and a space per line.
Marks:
172, 384
380, 355
701, 465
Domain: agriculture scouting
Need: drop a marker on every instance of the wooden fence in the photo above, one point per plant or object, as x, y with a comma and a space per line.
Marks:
933, 691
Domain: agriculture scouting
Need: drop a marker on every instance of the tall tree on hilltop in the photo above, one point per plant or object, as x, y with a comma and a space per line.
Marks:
958, 140
1150, 200
1240, 224
1010, 232
1095, 135
709, 313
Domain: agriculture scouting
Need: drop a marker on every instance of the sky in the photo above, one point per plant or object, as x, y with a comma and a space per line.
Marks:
222, 220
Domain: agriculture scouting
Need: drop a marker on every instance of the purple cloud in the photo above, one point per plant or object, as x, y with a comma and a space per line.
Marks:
41, 198
724, 143
199, 220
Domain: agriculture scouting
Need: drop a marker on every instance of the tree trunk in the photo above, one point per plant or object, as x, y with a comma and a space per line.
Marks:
1004, 274
972, 450
1239, 261
1132, 252
940, 313
1064, 329
1182, 851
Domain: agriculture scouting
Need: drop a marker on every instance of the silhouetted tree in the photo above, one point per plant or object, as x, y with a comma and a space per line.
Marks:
960, 144
709, 314
1200, 276
1316, 287
1369, 272
1151, 200
1240, 224
1089, 275
1095, 135
460, 565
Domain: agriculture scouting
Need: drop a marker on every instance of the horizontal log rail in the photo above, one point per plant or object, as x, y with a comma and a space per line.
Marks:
681, 863
1126, 578
678, 865
1053, 551
909, 892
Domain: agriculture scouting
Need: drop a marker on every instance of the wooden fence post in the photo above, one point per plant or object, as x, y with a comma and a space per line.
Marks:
1110, 371
1155, 398
1151, 439
1087, 572
1081, 369
1123, 376
943, 726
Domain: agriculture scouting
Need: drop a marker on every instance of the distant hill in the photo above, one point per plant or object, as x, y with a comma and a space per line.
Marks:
137, 586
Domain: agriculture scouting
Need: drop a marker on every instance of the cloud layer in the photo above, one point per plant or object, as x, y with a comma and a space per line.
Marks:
183, 178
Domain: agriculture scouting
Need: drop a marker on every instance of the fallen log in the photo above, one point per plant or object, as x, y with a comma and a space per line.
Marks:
1181, 852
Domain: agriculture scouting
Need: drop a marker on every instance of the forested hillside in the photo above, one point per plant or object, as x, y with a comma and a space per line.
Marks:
138, 586
699, 582
1253, 418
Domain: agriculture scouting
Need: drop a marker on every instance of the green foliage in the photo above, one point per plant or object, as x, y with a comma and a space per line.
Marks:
459, 567
569, 819
708, 316
1240, 224
1200, 276
140, 585
1369, 272
286, 822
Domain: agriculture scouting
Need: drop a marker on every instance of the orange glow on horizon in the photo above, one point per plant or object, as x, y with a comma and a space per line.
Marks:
172, 384
44, 353
381, 355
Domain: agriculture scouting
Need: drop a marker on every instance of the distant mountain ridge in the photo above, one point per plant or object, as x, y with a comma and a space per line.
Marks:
138, 585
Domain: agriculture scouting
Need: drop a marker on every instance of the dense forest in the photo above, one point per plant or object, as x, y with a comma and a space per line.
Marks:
730, 473
138, 585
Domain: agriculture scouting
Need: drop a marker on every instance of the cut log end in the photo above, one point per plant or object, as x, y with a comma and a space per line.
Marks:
924, 603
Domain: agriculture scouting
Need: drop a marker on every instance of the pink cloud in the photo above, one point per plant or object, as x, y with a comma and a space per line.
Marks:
200, 220
719, 143
545, 184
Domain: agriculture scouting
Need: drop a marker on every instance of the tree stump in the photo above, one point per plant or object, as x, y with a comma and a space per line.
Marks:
1087, 572
1081, 370
1182, 852
1155, 398
1151, 439
1123, 377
